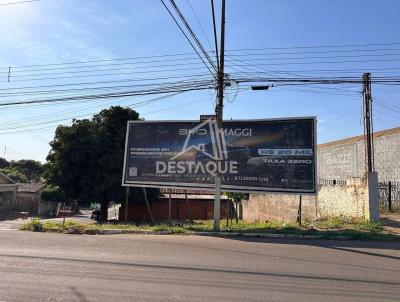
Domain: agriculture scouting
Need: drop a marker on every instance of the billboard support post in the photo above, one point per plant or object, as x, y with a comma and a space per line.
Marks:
126, 204
189, 208
148, 206
169, 208
299, 211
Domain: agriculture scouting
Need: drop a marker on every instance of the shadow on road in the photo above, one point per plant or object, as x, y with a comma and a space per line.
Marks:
348, 246
202, 269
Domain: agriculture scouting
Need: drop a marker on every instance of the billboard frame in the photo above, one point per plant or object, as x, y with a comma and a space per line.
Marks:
228, 188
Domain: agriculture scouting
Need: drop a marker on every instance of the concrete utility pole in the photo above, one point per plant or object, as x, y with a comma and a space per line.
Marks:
219, 115
371, 175
368, 125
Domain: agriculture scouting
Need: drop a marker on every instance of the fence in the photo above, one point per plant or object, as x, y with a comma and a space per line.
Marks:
389, 195
332, 182
338, 182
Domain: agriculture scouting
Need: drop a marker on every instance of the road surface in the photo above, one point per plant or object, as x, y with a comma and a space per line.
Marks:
58, 267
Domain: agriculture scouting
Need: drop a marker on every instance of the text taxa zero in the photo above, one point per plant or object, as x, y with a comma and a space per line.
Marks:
287, 161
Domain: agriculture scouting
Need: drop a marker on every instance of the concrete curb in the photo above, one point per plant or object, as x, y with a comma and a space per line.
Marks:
219, 234
262, 235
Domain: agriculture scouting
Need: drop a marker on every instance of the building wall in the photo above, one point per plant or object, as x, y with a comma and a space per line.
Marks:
387, 158
6, 199
27, 202
348, 199
342, 161
201, 209
281, 207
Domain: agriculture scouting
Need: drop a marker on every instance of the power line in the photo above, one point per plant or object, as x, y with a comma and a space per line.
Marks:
19, 2
111, 64
198, 21
105, 60
27, 124
318, 46
330, 62
231, 54
138, 104
106, 82
121, 73
160, 90
187, 38
349, 70
386, 114
182, 17
322, 57
234, 52
116, 73
115, 88
387, 105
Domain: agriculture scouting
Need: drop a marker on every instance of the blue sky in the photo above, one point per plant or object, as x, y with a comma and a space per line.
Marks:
58, 31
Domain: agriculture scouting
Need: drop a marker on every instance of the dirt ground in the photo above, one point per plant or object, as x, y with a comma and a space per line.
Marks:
391, 221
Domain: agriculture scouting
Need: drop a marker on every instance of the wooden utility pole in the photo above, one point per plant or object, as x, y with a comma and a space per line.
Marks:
218, 115
368, 125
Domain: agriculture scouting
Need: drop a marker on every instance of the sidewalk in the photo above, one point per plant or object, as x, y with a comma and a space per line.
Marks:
7, 225
391, 221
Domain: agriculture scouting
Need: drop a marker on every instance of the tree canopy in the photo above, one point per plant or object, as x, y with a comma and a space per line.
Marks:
86, 158
236, 196
24, 170
4, 163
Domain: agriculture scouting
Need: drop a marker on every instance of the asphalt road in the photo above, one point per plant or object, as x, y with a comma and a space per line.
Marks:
57, 267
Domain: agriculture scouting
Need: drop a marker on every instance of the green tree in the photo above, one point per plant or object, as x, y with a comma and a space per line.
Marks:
4, 163
32, 169
86, 158
70, 163
15, 175
24, 170
51, 193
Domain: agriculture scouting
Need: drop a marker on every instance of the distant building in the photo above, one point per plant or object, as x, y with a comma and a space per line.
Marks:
343, 159
28, 197
186, 204
8, 189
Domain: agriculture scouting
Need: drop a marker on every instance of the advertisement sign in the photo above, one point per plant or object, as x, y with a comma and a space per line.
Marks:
250, 155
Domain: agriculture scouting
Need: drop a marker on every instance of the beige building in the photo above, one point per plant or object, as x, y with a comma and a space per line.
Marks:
28, 197
8, 190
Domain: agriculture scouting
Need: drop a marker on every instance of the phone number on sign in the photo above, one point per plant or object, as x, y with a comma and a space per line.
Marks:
251, 178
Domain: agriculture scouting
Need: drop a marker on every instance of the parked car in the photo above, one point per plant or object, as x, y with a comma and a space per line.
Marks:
96, 215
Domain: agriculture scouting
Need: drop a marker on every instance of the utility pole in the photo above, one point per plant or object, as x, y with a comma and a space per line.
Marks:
368, 125
218, 115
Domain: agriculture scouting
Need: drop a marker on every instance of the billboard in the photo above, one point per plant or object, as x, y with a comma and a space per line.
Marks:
250, 155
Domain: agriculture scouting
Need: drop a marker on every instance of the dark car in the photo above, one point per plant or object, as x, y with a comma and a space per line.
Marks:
96, 214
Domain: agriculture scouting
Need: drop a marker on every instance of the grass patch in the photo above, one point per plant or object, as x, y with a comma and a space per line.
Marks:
333, 228
338, 223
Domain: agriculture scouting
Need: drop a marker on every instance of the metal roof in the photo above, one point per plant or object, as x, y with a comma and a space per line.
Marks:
30, 187
359, 138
